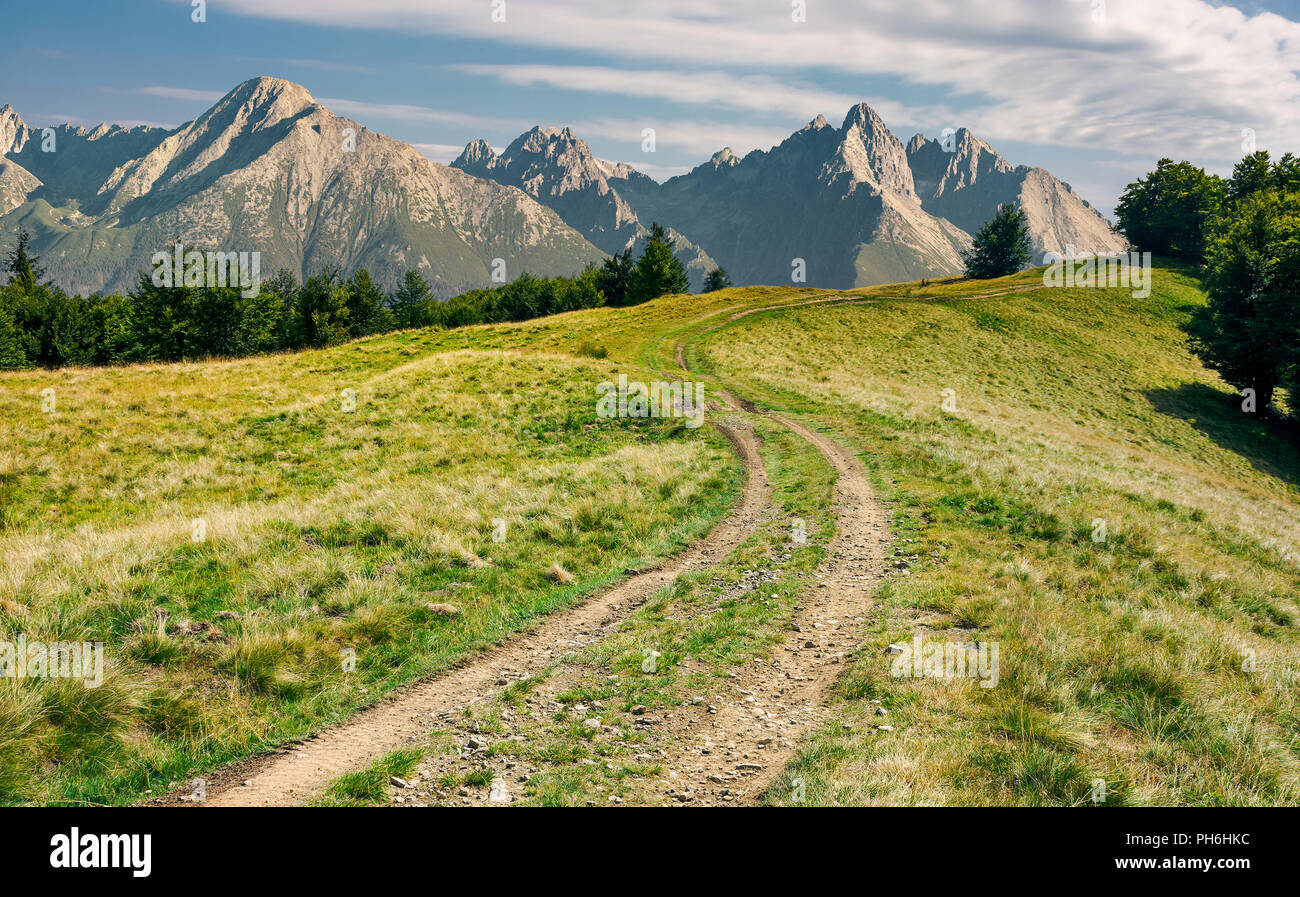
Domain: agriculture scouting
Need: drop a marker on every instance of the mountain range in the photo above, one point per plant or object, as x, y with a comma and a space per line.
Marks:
269, 169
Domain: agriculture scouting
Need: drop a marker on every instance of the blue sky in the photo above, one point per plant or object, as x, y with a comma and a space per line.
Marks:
1094, 90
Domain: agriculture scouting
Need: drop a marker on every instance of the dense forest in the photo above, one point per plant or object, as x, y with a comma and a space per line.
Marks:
42, 326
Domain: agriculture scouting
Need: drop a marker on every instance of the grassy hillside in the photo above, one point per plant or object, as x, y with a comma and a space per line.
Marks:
1161, 659
328, 530
325, 530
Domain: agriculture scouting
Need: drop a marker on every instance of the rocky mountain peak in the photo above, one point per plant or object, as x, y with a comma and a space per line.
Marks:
265, 90
724, 158
258, 103
13, 130
863, 117
261, 168
940, 166
964, 180
477, 154
551, 160
869, 153
534, 140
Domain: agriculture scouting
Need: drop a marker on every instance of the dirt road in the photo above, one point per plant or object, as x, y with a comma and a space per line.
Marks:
761, 714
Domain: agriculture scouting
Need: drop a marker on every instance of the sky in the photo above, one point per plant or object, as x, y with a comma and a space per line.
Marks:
1093, 90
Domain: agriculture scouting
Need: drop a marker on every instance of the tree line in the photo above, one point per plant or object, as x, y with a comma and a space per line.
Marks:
43, 326
1243, 232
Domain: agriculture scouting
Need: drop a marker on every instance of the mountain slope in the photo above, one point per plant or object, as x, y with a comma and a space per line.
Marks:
559, 170
268, 169
16, 184
841, 199
967, 185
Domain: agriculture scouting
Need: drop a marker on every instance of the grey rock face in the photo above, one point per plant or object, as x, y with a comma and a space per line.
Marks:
967, 180
839, 199
591, 195
269, 169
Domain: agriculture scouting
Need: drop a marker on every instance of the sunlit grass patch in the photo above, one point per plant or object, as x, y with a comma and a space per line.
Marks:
258, 542
1093, 501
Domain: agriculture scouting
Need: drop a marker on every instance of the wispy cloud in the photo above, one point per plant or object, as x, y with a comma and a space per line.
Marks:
693, 136
362, 111
182, 93
713, 88
1148, 76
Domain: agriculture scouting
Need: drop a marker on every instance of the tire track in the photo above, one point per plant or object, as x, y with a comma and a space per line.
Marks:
768, 706
728, 749
297, 772
779, 701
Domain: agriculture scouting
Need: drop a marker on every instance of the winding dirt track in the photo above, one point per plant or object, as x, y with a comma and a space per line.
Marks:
763, 711
733, 754
297, 773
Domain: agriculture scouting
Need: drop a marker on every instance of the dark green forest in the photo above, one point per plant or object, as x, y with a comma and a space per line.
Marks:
43, 326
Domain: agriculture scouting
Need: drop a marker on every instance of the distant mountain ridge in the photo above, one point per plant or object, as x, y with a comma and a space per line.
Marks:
963, 183
854, 204
839, 199
269, 169
559, 170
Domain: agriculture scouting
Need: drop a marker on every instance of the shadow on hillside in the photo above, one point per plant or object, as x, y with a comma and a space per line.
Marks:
1272, 445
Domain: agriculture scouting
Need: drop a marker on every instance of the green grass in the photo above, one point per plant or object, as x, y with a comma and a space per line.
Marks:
371, 786
327, 528
1161, 660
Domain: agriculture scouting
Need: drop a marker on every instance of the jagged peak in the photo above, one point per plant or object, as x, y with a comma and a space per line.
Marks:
547, 141
968, 142
13, 130
9, 115
817, 123
918, 140
724, 157
864, 117
264, 86
476, 153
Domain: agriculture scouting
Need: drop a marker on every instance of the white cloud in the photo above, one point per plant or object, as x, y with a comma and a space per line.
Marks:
1156, 76
403, 112
182, 93
713, 88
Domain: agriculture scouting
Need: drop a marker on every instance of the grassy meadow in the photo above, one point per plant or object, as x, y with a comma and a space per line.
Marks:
237, 532
255, 541
1094, 502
